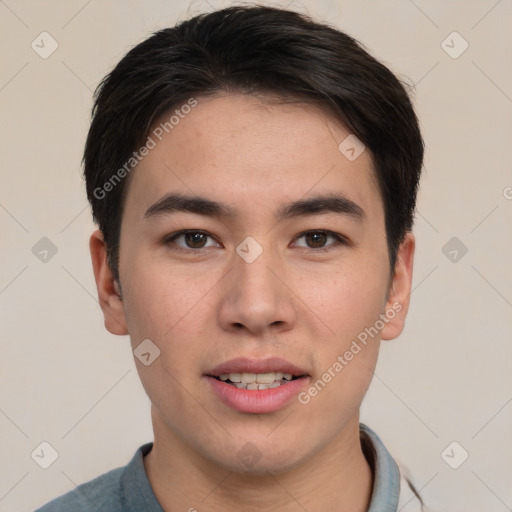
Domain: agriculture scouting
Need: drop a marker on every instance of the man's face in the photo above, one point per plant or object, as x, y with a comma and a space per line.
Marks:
253, 284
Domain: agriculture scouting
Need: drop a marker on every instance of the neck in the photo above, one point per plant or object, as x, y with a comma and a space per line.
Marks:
336, 478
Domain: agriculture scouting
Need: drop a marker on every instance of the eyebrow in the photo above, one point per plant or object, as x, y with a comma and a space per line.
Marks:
329, 203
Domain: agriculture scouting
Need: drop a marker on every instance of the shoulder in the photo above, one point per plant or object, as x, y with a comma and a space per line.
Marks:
119, 490
101, 493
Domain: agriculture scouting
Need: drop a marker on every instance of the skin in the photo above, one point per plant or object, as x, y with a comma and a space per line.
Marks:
304, 304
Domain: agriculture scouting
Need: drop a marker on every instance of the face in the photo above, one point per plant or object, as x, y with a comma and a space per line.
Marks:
277, 274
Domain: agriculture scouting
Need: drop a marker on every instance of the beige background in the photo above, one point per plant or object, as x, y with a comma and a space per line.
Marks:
65, 380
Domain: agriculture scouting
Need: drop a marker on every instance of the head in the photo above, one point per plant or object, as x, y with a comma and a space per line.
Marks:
292, 157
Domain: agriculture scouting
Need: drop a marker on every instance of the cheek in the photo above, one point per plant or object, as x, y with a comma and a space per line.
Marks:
163, 299
345, 300
166, 306
349, 303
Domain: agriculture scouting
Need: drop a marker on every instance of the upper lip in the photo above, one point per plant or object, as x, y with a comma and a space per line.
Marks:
246, 365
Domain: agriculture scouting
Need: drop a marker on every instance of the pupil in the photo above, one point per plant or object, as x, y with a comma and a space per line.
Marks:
317, 238
195, 238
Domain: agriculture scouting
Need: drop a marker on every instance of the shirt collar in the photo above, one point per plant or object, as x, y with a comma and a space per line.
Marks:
136, 491
386, 477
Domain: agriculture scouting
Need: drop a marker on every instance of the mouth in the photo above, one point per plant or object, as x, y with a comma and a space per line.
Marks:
257, 386
256, 381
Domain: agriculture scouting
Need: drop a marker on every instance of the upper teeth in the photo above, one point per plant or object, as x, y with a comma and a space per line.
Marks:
253, 378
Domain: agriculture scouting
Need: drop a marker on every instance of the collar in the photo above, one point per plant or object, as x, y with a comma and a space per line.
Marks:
136, 491
386, 477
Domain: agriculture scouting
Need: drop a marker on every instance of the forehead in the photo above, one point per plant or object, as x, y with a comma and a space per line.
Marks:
247, 150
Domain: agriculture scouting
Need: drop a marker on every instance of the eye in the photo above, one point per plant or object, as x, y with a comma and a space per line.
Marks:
190, 239
318, 239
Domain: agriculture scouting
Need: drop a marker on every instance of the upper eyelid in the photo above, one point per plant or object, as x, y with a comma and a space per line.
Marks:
172, 236
339, 239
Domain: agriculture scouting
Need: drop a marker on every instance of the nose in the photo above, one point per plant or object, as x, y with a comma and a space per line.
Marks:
256, 297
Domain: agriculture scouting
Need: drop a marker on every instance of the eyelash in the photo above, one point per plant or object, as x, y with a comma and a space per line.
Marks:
340, 240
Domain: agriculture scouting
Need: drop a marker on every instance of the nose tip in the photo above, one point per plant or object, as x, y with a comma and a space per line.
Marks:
253, 296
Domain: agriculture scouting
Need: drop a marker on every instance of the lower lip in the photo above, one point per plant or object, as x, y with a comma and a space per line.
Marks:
257, 400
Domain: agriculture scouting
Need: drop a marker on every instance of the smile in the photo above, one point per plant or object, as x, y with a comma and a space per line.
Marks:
255, 381
257, 386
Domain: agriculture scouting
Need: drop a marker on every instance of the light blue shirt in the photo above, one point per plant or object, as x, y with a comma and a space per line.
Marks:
127, 489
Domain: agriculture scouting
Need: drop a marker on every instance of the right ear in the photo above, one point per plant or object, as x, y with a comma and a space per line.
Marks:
109, 294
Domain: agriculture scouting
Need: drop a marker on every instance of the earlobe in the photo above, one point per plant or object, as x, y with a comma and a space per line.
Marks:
109, 293
397, 304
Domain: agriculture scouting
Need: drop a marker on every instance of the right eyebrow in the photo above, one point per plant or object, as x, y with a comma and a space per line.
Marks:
194, 204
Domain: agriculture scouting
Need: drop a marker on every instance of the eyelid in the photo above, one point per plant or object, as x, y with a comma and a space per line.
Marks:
340, 239
170, 239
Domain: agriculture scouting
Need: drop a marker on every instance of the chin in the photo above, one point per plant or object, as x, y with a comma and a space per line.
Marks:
260, 458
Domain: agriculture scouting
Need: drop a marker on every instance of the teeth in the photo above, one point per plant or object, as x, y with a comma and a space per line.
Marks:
265, 378
254, 385
256, 380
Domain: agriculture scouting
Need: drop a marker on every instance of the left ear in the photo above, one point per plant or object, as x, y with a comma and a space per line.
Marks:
397, 304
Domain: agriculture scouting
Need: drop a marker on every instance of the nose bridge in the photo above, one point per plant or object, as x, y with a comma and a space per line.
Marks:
252, 265
255, 296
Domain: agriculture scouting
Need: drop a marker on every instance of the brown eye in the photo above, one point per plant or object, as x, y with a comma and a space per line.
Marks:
316, 239
195, 240
319, 240
190, 240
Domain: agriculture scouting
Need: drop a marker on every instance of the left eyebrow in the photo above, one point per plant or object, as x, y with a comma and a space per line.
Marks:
335, 203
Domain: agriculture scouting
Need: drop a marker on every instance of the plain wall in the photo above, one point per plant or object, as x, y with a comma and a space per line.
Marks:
65, 380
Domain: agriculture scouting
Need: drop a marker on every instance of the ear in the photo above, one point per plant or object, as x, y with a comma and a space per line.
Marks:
397, 304
108, 290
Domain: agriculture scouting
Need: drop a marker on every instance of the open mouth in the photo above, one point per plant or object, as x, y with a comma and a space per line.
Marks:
257, 386
256, 381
